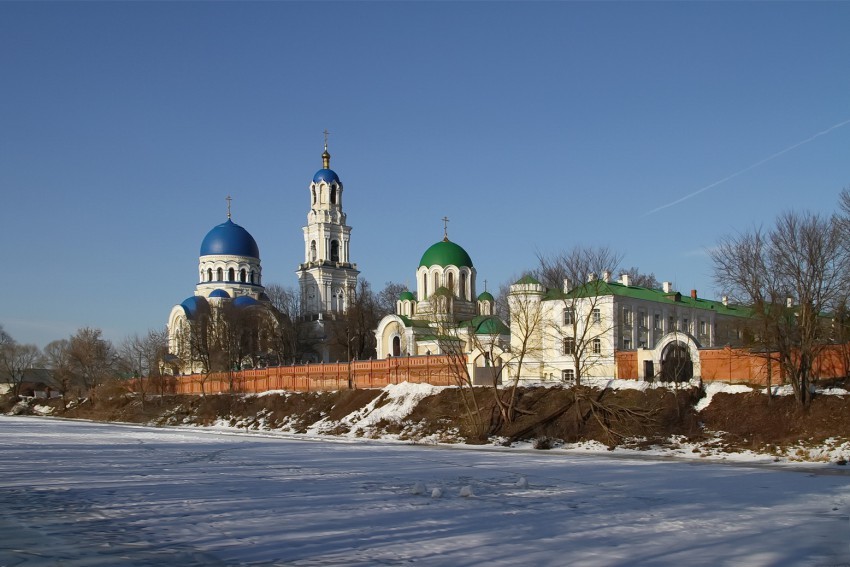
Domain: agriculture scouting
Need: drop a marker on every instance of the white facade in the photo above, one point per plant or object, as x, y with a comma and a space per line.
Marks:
580, 332
327, 278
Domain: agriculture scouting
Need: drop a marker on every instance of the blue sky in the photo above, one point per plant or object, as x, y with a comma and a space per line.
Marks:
532, 126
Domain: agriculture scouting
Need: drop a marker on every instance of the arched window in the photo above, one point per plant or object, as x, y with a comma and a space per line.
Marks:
333, 195
231, 275
219, 274
396, 346
252, 277
242, 276
209, 274
314, 195
436, 282
425, 286
451, 282
313, 251
463, 285
334, 251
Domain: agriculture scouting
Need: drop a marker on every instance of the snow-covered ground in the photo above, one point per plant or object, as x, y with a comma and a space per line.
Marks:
87, 494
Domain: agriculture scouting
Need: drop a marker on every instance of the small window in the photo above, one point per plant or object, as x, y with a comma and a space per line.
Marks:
243, 276
642, 319
333, 195
702, 328
231, 275
209, 274
219, 274
463, 285
627, 344
686, 325
569, 345
596, 346
334, 251
451, 283
656, 322
568, 375
671, 324
313, 251
627, 316
569, 316
597, 315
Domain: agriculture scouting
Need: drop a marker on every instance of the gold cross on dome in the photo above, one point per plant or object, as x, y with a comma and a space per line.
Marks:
445, 228
228, 199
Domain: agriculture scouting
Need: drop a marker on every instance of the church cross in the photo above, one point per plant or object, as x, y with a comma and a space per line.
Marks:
445, 228
485, 285
325, 132
228, 199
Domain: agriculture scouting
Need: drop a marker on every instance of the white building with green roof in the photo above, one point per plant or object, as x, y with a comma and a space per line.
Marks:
582, 328
444, 313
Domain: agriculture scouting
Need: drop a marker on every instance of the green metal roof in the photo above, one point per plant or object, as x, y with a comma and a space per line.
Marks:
488, 325
445, 253
601, 288
485, 296
527, 279
406, 295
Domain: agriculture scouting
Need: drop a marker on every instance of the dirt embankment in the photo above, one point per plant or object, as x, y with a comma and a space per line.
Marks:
630, 418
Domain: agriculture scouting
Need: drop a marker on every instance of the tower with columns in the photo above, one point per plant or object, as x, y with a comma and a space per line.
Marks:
327, 278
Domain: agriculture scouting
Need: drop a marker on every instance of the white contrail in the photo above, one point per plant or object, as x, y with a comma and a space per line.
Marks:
746, 169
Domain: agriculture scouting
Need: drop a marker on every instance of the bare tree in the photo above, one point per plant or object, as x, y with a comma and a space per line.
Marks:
58, 360
583, 328
15, 360
141, 356
92, 358
792, 276
640, 279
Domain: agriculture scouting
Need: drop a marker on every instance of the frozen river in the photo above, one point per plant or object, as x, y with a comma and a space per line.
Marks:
86, 494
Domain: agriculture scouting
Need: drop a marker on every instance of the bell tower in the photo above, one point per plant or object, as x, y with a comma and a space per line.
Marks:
327, 278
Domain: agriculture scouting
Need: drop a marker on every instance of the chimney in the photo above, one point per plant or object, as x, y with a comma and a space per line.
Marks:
624, 278
606, 276
693, 294
567, 285
591, 277
725, 300
667, 287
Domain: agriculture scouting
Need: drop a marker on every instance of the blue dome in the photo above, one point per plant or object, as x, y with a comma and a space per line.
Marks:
229, 239
220, 293
245, 301
193, 305
326, 175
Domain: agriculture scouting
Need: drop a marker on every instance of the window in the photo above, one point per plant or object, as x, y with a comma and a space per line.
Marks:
569, 345
596, 346
656, 322
209, 274
451, 283
642, 319
569, 316
231, 275
219, 274
627, 316
463, 285
627, 344
243, 276
333, 195
425, 286
568, 375
671, 324
686, 325
313, 251
334, 251
436, 282
597, 315
702, 327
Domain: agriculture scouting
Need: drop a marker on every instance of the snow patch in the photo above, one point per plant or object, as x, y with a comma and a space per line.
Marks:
712, 388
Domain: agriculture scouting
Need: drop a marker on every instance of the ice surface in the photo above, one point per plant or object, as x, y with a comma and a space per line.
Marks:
88, 494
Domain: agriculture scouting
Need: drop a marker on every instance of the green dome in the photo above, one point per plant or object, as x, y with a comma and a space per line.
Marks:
445, 253
406, 296
486, 296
